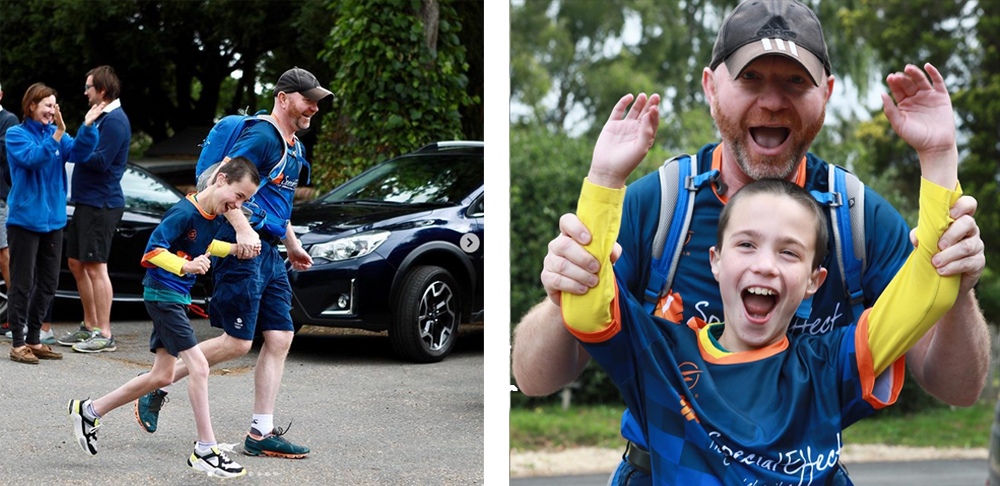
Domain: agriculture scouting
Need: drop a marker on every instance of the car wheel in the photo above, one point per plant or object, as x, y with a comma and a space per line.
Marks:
427, 315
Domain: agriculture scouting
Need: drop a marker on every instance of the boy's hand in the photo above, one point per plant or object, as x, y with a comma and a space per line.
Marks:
923, 117
624, 142
198, 266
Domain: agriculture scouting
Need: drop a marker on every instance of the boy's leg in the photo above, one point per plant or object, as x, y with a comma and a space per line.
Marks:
163, 367
197, 366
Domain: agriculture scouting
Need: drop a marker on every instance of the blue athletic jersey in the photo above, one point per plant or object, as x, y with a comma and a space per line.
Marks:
708, 425
695, 293
186, 230
262, 144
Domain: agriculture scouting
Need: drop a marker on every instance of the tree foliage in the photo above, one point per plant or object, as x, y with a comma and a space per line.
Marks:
396, 86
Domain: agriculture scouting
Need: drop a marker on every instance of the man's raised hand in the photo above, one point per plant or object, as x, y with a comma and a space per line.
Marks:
624, 142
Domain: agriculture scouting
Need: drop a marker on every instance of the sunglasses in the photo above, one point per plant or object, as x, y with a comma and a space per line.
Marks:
87, 86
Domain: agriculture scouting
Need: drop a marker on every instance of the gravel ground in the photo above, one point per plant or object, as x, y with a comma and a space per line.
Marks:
592, 460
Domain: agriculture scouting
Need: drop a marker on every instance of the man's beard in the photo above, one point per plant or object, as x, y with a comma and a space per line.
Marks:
759, 167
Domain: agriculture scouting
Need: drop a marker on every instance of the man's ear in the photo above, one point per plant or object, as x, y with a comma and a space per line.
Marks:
708, 87
714, 257
815, 281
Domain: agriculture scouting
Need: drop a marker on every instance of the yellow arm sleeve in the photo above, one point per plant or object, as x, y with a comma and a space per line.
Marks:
600, 209
220, 248
917, 297
162, 258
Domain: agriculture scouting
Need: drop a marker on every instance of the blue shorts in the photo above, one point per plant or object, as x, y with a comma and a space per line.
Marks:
629, 475
250, 294
171, 328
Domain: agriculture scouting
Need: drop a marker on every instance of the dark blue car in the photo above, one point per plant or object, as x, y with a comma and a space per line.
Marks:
398, 248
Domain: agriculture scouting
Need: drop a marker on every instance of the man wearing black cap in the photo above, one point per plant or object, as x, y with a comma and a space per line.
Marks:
767, 84
253, 292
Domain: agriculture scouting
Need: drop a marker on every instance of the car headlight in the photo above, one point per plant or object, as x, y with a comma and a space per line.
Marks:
355, 246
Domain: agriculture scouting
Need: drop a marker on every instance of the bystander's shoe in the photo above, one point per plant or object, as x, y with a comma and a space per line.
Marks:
23, 355
96, 344
273, 445
47, 338
45, 352
84, 428
147, 409
215, 463
78, 336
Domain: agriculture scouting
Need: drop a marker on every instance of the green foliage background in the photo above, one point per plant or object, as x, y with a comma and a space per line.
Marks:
570, 62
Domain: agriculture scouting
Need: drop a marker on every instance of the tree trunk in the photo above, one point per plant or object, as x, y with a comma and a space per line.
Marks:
430, 11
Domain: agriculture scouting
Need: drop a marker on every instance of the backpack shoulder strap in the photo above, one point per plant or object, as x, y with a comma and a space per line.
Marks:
279, 168
679, 183
846, 200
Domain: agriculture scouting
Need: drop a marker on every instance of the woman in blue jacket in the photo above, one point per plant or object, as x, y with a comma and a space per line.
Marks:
37, 151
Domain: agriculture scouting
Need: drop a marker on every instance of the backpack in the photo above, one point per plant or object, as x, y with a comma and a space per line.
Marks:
847, 217
221, 139
217, 144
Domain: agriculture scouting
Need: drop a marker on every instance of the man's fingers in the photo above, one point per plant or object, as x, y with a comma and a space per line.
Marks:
570, 224
616, 252
565, 268
973, 265
555, 283
966, 205
963, 230
566, 248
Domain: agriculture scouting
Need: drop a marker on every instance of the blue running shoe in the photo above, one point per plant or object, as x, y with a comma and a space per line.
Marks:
273, 445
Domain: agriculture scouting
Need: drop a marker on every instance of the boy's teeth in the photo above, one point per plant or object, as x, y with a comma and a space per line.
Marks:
760, 291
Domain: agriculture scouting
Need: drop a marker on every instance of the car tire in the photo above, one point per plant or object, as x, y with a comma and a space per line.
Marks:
427, 315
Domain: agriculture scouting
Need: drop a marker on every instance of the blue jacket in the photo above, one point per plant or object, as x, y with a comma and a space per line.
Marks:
98, 182
37, 199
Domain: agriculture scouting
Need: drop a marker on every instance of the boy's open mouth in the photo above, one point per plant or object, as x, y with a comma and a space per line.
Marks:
758, 302
769, 137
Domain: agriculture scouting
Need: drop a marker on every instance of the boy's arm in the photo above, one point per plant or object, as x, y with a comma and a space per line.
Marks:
623, 143
173, 224
918, 296
220, 248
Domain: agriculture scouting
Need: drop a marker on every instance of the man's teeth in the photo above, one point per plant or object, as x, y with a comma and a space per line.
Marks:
760, 291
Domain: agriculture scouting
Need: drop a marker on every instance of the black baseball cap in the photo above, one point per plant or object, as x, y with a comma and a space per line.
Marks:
298, 80
772, 27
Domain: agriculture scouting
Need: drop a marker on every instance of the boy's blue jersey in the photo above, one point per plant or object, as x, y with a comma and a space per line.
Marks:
708, 425
695, 293
262, 145
186, 230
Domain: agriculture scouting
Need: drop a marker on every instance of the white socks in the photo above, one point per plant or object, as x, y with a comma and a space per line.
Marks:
262, 424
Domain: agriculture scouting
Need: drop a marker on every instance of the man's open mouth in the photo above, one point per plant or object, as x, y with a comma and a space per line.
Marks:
770, 137
758, 303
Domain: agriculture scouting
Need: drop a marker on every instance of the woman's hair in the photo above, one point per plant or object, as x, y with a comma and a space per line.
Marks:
781, 187
237, 168
35, 93
106, 80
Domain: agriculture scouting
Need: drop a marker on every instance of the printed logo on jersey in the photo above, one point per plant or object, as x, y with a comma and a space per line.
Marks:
688, 412
816, 324
193, 234
691, 374
670, 307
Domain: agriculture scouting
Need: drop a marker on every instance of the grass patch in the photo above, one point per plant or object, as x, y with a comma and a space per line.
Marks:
547, 428
550, 427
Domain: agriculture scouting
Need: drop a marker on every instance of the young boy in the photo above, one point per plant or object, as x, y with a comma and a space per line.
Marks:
178, 249
741, 402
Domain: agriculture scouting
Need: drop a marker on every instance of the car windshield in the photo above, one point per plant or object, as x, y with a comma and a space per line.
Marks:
430, 179
145, 194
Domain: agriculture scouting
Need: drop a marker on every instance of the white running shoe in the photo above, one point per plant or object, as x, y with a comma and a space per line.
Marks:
215, 463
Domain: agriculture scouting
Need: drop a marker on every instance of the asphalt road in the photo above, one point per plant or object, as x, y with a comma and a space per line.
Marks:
368, 417
917, 473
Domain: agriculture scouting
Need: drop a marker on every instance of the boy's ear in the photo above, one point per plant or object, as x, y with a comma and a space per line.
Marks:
815, 281
221, 179
714, 257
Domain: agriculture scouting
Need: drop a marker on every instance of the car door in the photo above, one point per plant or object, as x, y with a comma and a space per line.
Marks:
478, 213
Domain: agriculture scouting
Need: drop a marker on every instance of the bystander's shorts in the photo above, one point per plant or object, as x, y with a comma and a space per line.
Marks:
91, 231
250, 294
171, 327
3, 225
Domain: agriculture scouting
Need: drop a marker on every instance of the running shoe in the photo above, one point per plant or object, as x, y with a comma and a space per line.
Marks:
147, 409
47, 338
84, 429
215, 463
96, 344
78, 336
273, 445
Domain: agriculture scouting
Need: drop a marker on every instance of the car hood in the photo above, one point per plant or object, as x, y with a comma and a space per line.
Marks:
332, 219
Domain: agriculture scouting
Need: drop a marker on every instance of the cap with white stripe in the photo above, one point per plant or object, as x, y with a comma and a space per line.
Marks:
772, 27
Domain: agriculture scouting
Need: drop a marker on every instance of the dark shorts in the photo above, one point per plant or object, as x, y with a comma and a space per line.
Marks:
171, 328
250, 294
90, 233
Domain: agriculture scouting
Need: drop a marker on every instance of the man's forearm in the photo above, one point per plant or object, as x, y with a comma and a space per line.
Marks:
545, 356
952, 361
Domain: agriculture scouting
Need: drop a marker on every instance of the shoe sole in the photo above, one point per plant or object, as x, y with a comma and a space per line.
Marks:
78, 426
215, 473
19, 360
102, 350
274, 454
135, 408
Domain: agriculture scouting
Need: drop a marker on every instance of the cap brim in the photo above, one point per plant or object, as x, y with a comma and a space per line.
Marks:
738, 61
316, 93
